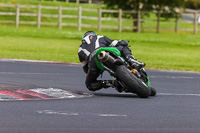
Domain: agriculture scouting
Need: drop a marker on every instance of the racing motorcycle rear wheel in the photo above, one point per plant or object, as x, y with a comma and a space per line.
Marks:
153, 91
134, 84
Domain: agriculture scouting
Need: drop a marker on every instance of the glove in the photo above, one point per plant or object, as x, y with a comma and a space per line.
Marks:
122, 43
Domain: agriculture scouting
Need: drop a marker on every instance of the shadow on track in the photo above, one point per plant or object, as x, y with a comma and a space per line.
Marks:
116, 95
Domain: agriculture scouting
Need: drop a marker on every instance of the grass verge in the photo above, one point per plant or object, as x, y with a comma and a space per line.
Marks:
158, 51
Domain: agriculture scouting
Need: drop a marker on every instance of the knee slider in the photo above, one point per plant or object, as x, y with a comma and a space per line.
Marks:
94, 86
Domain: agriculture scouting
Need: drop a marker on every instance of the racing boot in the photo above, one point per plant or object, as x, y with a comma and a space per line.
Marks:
117, 86
106, 83
112, 83
134, 63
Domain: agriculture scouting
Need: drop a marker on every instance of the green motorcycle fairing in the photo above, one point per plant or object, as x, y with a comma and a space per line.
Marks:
112, 49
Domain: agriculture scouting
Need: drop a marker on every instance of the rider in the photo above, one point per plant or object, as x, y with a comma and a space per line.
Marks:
90, 42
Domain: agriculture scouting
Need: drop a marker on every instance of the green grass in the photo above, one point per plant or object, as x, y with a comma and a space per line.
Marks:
39, 49
166, 50
158, 51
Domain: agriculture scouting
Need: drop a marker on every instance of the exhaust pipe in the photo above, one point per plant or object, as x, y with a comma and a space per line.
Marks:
105, 57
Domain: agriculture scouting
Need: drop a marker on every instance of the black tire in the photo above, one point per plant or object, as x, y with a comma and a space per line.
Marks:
153, 91
134, 84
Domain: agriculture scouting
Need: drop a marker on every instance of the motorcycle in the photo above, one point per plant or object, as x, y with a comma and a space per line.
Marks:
132, 81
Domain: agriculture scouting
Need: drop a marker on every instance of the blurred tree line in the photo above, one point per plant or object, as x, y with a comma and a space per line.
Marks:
167, 7
192, 4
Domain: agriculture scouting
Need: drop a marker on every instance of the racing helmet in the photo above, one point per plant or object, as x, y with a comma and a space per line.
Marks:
89, 33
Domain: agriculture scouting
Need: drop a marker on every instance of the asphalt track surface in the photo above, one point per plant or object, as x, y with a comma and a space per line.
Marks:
175, 109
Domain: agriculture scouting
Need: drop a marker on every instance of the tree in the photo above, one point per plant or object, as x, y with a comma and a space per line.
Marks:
193, 4
147, 5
